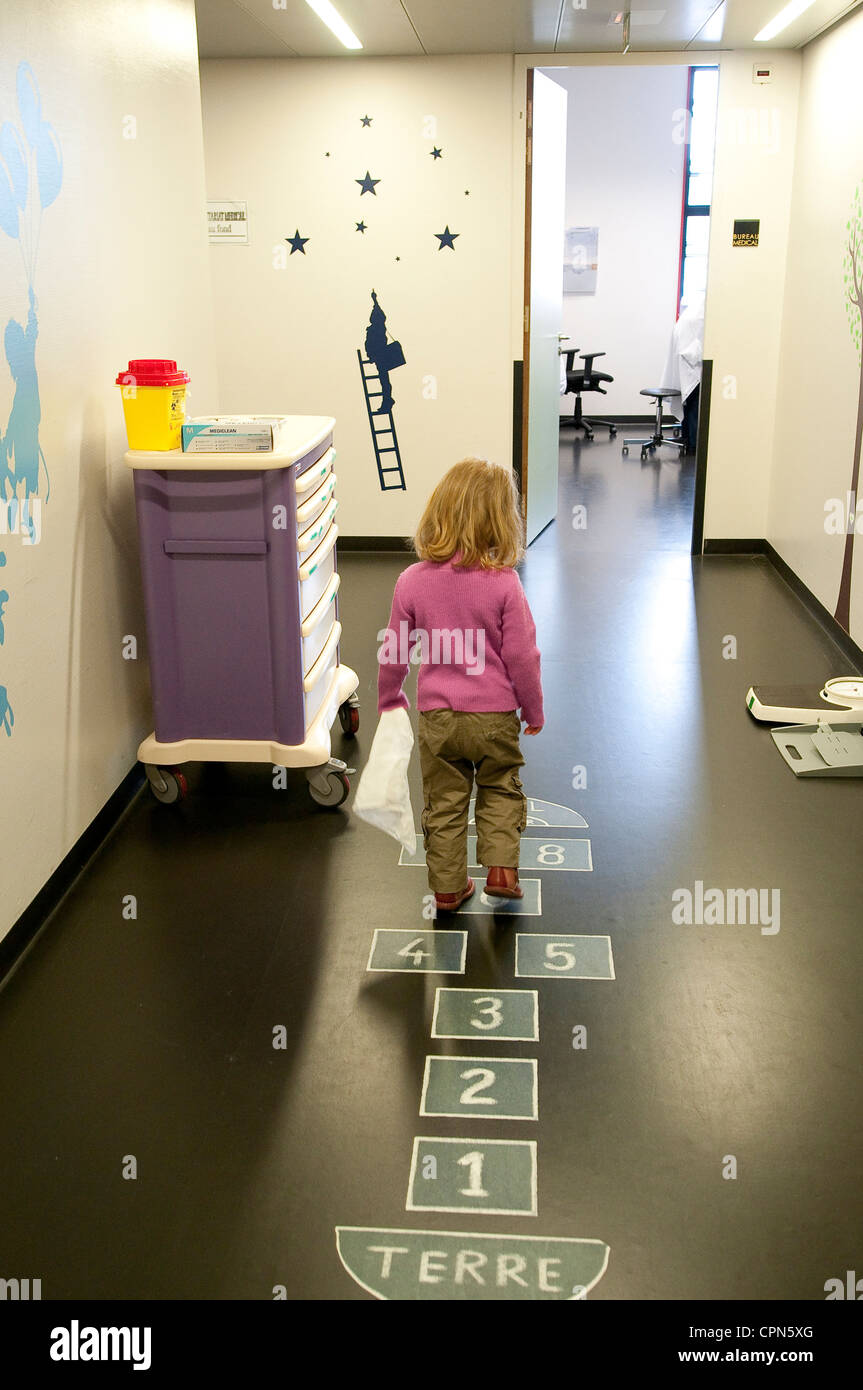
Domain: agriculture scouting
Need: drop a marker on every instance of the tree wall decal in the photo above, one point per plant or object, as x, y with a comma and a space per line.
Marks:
853, 280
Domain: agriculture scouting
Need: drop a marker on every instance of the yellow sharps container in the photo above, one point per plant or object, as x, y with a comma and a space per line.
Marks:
154, 403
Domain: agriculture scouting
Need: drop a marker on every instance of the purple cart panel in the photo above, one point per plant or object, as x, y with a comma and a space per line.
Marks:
219, 562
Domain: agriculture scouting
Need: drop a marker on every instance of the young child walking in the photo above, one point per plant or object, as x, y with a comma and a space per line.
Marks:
462, 613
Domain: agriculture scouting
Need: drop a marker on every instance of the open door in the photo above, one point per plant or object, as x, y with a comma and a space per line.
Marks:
545, 193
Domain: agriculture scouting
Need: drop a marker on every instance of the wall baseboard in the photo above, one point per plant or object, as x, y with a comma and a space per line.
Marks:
825, 619
23, 933
735, 547
668, 421
402, 543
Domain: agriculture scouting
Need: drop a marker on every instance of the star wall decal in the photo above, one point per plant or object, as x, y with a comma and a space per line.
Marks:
297, 242
365, 120
361, 226
367, 185
446, 238
436, 153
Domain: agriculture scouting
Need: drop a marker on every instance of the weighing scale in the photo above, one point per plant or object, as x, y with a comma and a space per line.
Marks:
822, 730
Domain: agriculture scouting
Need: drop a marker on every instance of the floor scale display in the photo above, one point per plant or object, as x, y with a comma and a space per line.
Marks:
238, 557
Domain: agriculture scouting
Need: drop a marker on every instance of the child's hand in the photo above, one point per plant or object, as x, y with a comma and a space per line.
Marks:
533, 728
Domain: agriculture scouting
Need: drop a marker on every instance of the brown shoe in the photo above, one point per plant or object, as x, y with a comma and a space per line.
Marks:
451, 902
503, 883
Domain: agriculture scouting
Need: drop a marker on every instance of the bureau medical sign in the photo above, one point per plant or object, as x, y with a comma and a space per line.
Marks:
227, 222
746, 231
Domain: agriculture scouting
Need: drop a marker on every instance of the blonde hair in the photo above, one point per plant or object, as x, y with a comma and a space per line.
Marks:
475, 510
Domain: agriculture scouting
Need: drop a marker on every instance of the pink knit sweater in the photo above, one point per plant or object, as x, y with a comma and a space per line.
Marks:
472, 633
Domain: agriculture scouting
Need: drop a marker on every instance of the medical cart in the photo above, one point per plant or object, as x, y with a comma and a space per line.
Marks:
238, 557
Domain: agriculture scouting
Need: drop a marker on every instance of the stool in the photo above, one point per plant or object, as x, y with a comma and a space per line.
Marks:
658, 438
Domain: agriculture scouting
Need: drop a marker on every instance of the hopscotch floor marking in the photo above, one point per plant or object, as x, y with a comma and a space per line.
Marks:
486, 1000
470, 1145
523, 1068
542, 813
528, 906
542, 956
439, 966
534, 854
402, 1259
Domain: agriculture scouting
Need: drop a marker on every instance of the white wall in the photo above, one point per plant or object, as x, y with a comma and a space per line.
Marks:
121, 271
625, 175
287, 335
756, 135
819, 378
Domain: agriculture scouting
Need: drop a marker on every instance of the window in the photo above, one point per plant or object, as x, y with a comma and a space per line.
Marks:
698, 182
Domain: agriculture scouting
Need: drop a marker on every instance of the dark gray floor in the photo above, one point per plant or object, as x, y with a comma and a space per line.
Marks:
153, 1037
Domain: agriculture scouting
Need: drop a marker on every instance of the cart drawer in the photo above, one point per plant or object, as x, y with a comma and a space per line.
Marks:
312, 476
313, 676
311, 508
314, 561
314, 644
316, 696
310, 537
322, 607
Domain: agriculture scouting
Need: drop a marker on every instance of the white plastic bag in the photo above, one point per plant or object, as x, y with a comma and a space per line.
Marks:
383, 796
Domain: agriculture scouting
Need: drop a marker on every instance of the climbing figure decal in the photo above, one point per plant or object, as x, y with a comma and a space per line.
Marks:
382, 357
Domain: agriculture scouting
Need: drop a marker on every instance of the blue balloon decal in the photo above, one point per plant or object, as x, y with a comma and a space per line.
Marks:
16, 161
49, 161
29, 103
8, 209
21, 453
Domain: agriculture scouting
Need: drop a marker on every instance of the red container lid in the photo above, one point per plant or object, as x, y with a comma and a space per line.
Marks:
152, 371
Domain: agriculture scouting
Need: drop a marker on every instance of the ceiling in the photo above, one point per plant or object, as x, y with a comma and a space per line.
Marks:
405, 28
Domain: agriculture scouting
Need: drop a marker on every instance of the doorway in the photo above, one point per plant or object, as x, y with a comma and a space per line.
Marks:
630, 284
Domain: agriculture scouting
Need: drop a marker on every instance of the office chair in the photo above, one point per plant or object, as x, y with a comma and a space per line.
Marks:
658, 438
585, 379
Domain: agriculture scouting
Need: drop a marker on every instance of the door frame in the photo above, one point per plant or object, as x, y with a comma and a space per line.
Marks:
524, 65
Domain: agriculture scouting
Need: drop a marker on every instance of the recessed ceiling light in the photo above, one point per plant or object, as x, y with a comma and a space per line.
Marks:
711, 32
333, 20
785, 17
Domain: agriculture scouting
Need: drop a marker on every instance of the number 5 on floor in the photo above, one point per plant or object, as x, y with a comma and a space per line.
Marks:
543, 957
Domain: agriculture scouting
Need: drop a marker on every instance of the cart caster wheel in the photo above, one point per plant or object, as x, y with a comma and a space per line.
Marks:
338, 787
643, 455
167, 784
589, 438
612, 434
625, 449
349, 718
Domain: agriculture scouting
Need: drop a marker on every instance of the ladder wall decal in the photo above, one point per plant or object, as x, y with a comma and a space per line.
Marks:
390, 473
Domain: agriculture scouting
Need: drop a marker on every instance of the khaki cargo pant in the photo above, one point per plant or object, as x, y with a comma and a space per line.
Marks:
455, 747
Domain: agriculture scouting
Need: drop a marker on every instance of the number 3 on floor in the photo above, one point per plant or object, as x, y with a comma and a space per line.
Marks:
492, 1007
